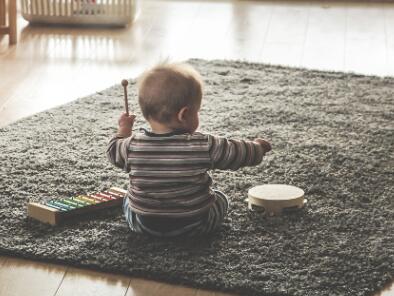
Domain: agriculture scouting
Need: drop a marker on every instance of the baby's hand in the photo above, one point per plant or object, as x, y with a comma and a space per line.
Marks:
125, 124
265, 144
126, 120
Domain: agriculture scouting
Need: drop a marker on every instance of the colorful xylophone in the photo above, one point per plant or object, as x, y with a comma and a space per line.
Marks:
55, 211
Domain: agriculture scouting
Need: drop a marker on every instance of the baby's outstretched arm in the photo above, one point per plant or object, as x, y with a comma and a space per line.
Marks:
264, 143
229, 154
117, 149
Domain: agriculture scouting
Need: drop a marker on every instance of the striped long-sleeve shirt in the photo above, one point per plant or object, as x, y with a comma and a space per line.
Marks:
169, 172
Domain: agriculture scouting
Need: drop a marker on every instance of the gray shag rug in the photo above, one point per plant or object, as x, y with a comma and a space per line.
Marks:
332, 135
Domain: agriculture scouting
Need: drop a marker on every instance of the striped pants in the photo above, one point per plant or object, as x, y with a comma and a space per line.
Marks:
211, 222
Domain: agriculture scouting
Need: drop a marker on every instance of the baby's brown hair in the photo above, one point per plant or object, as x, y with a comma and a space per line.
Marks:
167, 88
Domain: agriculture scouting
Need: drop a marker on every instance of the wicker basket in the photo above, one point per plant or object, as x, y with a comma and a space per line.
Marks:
79, 12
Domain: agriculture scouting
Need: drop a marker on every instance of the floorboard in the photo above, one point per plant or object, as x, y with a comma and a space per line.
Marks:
22, 277
81, 282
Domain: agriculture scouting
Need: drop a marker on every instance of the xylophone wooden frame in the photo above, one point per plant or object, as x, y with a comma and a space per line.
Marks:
50, 215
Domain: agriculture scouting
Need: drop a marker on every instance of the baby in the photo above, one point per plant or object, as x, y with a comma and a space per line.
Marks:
170, 191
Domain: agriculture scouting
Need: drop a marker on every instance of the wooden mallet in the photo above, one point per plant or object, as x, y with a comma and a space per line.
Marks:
126, 102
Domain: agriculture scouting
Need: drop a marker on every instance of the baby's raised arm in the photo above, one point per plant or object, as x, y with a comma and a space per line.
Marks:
126, 123
229, 154
117, 150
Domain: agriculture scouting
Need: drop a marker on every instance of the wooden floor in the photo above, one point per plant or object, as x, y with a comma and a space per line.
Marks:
25, 278
52, 66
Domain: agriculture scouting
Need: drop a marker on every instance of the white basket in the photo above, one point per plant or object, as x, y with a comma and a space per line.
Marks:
79, 12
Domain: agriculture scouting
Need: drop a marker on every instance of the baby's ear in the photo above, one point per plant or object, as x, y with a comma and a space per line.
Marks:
182, 114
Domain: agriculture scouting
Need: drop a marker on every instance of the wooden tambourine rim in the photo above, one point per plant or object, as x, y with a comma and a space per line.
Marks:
275, 206
298, 192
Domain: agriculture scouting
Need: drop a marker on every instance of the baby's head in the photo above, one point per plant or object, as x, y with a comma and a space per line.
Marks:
170, 95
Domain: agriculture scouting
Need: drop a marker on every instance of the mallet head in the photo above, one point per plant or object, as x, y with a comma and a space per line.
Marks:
125, 82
